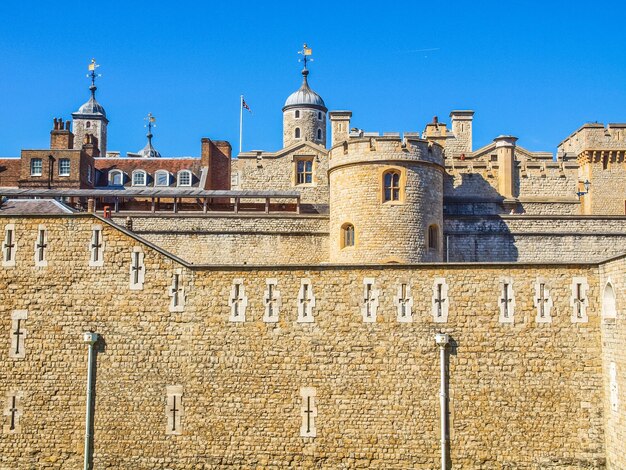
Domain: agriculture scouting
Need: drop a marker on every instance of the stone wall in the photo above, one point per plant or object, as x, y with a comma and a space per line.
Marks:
310, 121
262, 171
614, 357
522, 394
237, 239
528, 238
608, 188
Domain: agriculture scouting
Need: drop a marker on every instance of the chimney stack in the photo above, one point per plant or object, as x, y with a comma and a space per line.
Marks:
505, 149
61, 137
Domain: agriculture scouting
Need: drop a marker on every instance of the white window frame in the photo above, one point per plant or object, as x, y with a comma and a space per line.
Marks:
584, 305
112, 174
8, 252
174, 395
369, 284
177, 294
32, 167
43, 262
141, 273
267, 301
547, 303
510, 317
408, 304
237, 297
445, 304
180, 174
137, 173
62, 171
18, 316
96, 254
305, 310
309, 396
168, 178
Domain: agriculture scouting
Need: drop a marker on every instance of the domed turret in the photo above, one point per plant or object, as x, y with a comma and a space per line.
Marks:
304, 116
91, 118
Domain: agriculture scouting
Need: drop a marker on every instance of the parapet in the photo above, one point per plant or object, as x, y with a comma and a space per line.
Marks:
376, 148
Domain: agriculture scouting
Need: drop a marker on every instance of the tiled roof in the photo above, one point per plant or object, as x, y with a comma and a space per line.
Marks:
149, 165
33, 206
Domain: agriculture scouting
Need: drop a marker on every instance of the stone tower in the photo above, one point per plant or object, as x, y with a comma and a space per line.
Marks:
386, 200
304, 116
91, 118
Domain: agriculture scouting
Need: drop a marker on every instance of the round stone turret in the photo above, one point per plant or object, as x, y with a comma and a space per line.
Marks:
386, 200
304, 116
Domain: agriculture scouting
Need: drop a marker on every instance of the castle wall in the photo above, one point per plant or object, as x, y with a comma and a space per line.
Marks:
614, 357
263, 172
223, 239
533, 238
522, 394
608, 188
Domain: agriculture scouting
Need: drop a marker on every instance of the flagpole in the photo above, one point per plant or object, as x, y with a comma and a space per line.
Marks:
240, 122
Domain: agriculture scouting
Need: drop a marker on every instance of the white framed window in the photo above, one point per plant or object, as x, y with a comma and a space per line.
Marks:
369, 307
18, 334
174, 410
404, 303
96, 247
184, 178
41, 245
36, 167
9, 246
272, 301
162, 178
506, 301
306, 302
116, 178
579, 301
440, 300
13, 412
308, 412
64, 167
177, 292
238, 302
543, 302
137, 269
139, 178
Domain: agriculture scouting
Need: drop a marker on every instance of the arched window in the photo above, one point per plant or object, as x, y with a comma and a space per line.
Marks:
184, 178
319, 134
433, 237
297, 114
319, 115
608, 301
139, 178
347, 235
162, 178
116, 178
296, 133
391, 186
88, 125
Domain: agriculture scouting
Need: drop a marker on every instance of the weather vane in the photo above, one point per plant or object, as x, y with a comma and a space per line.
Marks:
306, 52
92, 72
151, 123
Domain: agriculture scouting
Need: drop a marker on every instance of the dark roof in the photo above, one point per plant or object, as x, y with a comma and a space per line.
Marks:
164, 192
33, 206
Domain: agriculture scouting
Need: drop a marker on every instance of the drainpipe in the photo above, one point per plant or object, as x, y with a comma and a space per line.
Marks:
90, 338
442, 340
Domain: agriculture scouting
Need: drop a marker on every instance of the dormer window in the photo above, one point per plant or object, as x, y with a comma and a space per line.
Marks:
297, 114
116, 178
139, 178
184, 178
162, 178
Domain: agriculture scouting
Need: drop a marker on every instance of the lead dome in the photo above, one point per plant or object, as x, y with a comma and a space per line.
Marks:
305, 97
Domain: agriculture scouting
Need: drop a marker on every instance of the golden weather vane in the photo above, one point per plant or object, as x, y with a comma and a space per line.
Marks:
92, 72
305, 52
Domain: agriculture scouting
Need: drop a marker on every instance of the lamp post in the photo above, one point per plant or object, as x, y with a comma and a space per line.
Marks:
442, 340
580, 194
90, 338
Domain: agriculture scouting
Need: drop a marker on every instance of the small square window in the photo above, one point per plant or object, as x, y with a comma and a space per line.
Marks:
184, 178
304, 171
35, 167
64, 167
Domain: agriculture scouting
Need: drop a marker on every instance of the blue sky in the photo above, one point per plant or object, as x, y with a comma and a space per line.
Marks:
537, 70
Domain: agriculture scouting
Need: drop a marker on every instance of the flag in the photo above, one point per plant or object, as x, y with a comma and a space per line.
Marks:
307, 50
244, 105
93, 65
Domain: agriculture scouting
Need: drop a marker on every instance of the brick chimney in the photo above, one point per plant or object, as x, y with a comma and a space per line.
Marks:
216, 155
61, 137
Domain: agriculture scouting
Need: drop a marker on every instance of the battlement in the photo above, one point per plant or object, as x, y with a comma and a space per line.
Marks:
594, 136
377, 148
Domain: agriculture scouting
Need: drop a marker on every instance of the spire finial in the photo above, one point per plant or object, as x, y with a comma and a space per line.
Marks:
306, 52
150, 124
93, 75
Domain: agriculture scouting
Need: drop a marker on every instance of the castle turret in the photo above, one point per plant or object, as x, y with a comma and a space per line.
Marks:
340, 126
304, 116
386, 200
91, 117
